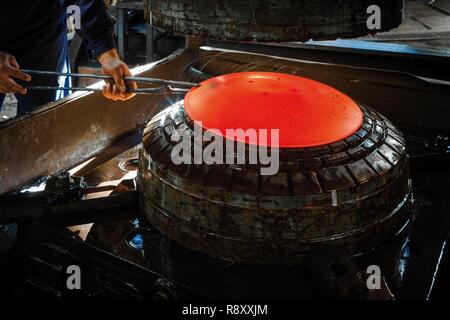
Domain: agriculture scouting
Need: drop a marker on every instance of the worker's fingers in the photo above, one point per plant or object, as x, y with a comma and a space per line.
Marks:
13, 62
10, 86
112, 92
127, 95
3, 89
127, 73
117, 94
118, 79
107, 91
16, 73
115, 90
10, 68
15, 87
131, 85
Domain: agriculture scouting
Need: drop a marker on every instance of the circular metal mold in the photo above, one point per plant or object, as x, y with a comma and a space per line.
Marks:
353, 194
280, 20
307, 113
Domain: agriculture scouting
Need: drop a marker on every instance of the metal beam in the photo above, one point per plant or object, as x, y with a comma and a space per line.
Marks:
67, 132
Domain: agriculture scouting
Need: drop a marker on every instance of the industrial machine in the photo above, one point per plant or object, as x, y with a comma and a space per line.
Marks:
361, 180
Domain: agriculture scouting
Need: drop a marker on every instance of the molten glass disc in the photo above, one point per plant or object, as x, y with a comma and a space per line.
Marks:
307, 113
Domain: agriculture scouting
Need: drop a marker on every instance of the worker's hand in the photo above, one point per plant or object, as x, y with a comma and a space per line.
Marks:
9, 69
114, 67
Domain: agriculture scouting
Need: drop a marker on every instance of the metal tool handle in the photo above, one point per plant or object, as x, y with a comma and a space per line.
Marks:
135, 79
165, 86
159, 90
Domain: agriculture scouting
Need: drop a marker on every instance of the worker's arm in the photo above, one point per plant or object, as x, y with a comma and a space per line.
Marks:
97, 33
10, 70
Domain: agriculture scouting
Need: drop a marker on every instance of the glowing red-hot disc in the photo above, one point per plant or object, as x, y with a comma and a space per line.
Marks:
306, 112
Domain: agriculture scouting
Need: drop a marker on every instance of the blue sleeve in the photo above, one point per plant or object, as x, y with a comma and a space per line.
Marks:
97, 27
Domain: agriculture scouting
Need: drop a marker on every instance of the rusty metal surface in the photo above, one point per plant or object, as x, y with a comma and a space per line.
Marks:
67, 132
270, 20
233, 212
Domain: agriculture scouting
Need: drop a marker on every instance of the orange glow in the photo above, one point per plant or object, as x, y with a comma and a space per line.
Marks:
307, 113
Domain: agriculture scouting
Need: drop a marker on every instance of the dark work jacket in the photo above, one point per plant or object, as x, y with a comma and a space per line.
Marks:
38, 25
35, 32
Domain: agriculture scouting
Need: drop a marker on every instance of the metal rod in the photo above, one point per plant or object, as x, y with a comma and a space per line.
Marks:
95, 76
137, 91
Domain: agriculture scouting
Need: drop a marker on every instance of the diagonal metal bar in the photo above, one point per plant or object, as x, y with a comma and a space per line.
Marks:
65, 133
